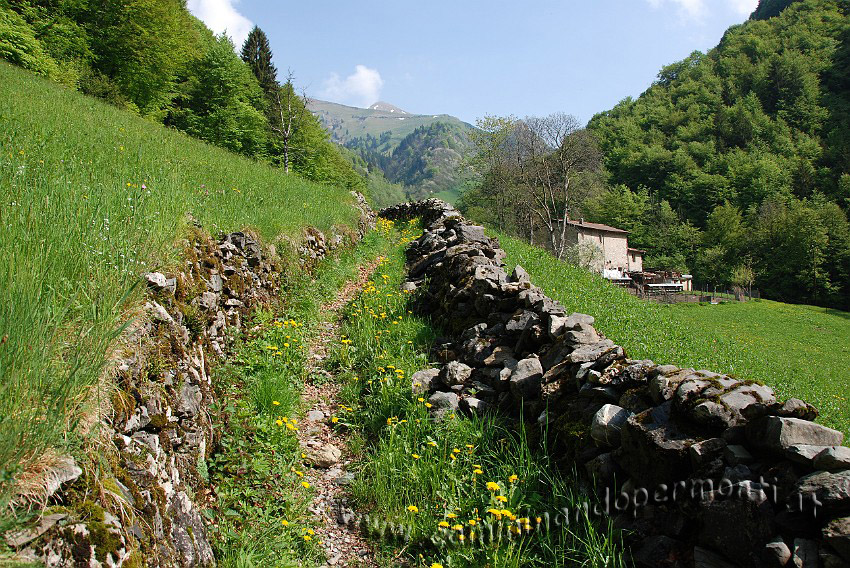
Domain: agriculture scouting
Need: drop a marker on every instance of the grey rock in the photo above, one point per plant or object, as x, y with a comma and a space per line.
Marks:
606, 424
805, 554
155, 280
216, 283
208, 300
474, 405
17, 539
776, 553
444, 401
664, 385
653, 450
778, 434
158, 313
520, 275
325, 456
526, 378
735, 454
796, 408
833, 458
590, 353
605, 394
499, 356
158, 282
455, 373
315, 416
189, 401
151, 441
555, 326
706, 451
421, 381
831, 490
837, 535
803, 454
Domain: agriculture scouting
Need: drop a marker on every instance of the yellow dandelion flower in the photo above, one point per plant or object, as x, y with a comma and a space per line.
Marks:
284, 522
451, 516
444, 524
276, 402
477, 471
472, 522
501, 499
415, 456
457, 527
305, 485
428, 405
279, 422
513, 478
307, 537
492, 486
413, 508
455, 451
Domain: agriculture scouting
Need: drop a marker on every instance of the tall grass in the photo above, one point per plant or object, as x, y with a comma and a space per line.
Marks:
91, 197
456, 491
801, 351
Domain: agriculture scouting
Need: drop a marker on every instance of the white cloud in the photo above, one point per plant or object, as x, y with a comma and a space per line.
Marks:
222, 15
744, 7
361, 88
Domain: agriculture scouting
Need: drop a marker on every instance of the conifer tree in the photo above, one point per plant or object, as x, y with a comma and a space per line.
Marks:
257, 53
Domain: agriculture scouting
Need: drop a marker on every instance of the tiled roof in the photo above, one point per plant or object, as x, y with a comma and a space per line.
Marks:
596, 226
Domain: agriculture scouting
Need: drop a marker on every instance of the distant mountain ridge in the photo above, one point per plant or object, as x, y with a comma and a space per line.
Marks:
422, 152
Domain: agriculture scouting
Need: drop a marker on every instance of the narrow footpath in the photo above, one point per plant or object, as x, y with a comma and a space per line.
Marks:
325, 448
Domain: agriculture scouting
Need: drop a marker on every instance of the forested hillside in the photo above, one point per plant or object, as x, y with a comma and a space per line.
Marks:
749, 142
420, 154
154, 58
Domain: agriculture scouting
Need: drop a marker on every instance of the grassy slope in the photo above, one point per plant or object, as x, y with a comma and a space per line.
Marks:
801, 351
90, 197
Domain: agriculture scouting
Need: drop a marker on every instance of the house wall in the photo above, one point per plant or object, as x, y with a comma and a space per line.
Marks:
635, 262
614, 246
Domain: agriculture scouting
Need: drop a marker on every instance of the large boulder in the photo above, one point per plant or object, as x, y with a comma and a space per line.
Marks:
653, 450
421, 381
777, 434
526, 377
455, 373
822, 489
833, 458
606, 425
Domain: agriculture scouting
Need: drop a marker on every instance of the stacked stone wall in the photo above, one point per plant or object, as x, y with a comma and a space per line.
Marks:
698, 467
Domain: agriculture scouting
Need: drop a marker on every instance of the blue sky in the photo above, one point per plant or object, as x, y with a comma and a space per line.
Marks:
470, 58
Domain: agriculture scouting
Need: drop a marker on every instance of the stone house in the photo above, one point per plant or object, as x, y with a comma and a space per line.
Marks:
611, 241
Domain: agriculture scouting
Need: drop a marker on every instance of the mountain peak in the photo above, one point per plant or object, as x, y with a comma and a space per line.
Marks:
387, 107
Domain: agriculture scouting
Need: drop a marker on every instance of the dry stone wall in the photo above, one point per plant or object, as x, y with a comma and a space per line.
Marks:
699, 468
142, 505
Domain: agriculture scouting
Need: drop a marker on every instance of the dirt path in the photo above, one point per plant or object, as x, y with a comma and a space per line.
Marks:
341, 539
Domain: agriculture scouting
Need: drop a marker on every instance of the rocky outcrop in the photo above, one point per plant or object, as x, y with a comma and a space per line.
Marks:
718, 471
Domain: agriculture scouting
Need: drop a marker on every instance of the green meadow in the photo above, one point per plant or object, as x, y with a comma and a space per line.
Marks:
801, 351
90, 198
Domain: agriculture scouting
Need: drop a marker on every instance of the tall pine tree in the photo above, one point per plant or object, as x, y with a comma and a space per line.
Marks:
257, 53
